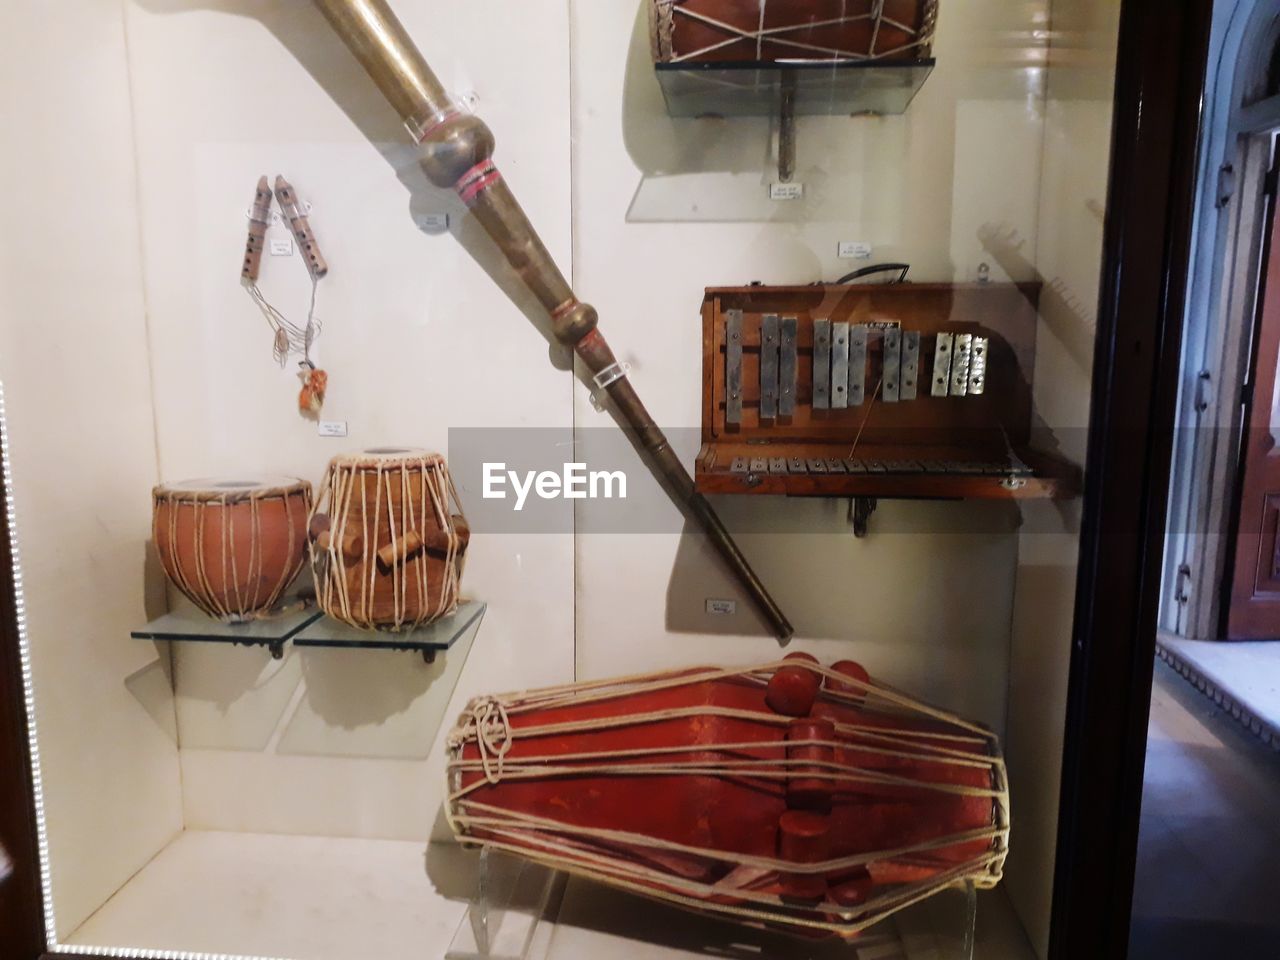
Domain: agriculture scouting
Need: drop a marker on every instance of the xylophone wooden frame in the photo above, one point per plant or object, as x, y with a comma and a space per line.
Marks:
992, 428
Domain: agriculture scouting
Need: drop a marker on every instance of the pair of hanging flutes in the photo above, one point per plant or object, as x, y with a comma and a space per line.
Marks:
457, 151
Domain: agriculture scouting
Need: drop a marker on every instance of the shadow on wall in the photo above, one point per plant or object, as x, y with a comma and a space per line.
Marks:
1073, 322
805, 552
152, 687
350, 689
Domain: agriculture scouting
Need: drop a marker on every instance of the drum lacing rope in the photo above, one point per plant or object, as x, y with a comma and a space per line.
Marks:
921, 39
493, 735
346, 485
197, 584
586, 851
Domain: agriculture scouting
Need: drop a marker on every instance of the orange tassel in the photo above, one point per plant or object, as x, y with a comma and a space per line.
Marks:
311, 398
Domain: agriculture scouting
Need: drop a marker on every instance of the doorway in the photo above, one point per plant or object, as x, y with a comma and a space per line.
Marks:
1212, 772
1222, 564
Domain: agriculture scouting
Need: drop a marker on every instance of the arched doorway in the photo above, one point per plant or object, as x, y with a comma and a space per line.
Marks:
1222, 565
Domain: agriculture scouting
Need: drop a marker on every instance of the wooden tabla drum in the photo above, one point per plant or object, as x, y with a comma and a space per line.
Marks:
388, 539
788, 796
232, 546
718, 31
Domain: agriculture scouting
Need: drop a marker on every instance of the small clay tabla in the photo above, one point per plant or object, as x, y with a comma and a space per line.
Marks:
233, 545
388, 539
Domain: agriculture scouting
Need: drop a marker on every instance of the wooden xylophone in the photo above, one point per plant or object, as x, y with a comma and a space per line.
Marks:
909, 390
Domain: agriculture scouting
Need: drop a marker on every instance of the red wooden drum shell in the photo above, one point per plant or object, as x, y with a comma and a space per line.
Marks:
382, 533
694, 788
703, 31
232, 546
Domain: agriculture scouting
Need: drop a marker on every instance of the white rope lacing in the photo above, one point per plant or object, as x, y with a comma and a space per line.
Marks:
373, 502
897, 730
667, 13
212, 579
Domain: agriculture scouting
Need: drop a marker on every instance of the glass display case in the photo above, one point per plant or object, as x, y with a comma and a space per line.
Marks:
242, 698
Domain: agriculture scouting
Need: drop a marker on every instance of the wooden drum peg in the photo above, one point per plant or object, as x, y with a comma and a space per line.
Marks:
319, 530
855, 672
853, 890
400, 551
811, 788
804, 837
793, 690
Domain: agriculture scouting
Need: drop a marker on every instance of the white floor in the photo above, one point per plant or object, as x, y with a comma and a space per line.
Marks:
302, 898
1210, 838
1243, 678
313, 898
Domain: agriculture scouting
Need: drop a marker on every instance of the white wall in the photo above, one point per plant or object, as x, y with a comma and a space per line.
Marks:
417, 340
1072, 205
75, 367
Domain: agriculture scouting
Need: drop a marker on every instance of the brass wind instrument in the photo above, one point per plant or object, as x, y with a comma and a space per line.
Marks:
457, 153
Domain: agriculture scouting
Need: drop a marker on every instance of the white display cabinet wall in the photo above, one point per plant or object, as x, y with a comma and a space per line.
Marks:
130, 354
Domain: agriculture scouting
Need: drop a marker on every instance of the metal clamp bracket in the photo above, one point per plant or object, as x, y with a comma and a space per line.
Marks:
604, 379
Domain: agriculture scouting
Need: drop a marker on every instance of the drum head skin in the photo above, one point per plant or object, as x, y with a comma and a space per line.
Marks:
238, 487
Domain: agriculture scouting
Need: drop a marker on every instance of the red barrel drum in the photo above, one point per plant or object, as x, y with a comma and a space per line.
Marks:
719, 31
788, 795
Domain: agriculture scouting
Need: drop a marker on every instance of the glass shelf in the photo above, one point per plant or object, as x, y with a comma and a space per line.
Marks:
190, 625
754, 88
428, 640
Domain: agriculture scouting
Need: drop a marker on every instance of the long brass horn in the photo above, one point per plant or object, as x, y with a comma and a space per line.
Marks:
457, 153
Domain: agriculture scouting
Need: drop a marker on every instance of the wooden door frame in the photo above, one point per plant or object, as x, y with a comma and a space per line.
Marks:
1161, 67
1160, 74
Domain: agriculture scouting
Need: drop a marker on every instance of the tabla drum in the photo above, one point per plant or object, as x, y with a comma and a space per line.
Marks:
788, 796
232, 546
718, 31
388, 539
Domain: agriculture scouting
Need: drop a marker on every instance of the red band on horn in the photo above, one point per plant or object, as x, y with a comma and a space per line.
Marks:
477, 180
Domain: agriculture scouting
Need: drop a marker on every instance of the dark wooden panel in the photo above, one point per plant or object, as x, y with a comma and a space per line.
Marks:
21, 912
1159, 81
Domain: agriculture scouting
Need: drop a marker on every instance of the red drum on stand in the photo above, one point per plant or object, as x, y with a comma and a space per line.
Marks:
787, 795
